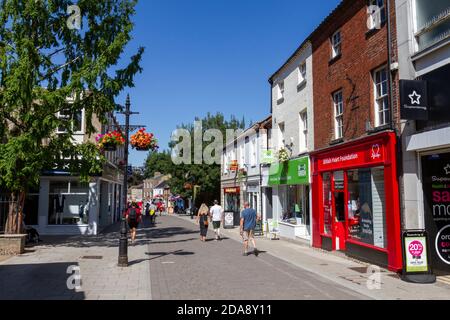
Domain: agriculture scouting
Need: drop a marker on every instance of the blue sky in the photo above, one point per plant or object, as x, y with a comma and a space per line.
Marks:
212, 55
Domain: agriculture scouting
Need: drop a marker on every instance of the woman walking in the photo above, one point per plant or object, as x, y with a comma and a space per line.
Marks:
202, 220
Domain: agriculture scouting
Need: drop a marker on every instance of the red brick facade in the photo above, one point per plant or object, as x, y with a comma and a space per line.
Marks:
362, 52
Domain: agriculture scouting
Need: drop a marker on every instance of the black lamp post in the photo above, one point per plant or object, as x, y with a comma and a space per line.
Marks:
123, 243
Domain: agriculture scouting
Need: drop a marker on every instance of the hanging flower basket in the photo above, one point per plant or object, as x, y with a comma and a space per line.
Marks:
283, 155
110, 141
143, 141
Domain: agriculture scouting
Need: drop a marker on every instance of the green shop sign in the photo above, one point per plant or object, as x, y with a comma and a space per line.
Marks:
293, 172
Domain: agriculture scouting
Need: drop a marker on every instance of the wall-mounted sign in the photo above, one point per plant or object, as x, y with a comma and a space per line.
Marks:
268, 157
234, 165
232, 190
414, 100
294, 172
369, 153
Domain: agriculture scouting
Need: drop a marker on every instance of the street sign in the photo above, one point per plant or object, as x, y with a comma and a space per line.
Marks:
130, 170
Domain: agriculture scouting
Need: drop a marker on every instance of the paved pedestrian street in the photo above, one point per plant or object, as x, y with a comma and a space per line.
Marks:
169, 262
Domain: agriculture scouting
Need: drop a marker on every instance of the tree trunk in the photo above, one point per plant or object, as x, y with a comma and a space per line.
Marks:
14, 223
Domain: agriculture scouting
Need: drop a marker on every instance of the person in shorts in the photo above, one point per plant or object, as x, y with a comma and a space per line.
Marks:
216, 213
133, 216
248, 225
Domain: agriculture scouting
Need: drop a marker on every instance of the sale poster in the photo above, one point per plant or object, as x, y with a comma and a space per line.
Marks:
416, 254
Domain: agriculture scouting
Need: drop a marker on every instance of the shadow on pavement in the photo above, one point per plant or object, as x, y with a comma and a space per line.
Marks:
48, 281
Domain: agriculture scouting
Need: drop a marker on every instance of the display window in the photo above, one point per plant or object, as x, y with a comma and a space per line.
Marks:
68, 203
295, 204
367, 206
327, 204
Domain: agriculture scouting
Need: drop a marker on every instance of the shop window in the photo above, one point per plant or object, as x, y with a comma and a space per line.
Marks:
367, 206
232, 202
294, 203
327, 204
68, 203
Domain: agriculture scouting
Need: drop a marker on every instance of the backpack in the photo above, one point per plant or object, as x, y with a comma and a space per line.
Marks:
132, 215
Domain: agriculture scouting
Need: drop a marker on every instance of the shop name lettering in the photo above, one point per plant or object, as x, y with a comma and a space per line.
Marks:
349, 157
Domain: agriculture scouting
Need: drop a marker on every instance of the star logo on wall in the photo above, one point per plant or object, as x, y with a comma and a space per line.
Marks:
415, 98
447, 169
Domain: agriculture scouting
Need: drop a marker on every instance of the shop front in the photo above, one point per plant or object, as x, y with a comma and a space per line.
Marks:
436, 195
291, 198
232, 205
356, 201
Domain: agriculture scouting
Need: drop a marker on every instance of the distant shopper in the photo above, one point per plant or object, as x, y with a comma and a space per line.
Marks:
153, 213
134, 217
216, 212
248, 225
202, 220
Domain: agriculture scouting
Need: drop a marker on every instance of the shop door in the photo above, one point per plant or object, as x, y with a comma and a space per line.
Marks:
339, 235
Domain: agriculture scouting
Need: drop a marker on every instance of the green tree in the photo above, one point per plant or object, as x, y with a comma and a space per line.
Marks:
43, 61
204, 175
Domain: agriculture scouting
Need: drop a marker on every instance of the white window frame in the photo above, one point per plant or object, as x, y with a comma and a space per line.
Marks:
419, 32
338, 107
303, 130
302, 73
382, 10
281, 134
379, 99
336, 47
280, 91
60, 116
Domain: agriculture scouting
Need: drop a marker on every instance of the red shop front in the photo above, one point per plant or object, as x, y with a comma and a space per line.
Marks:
356, 200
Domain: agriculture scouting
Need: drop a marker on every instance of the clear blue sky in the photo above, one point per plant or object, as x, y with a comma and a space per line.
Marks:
212, 55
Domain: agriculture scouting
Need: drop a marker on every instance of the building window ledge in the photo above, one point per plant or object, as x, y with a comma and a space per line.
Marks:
336, 141
334, 59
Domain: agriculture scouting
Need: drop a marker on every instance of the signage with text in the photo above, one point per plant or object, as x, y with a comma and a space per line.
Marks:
416, 253
414, 100
294, 172
351, 157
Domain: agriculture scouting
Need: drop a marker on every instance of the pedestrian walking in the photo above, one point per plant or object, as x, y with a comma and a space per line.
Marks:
216, 213
133, 216
248, 225
202, 220
153, 213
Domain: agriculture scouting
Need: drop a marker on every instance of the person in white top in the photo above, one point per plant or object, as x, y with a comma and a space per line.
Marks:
216, 212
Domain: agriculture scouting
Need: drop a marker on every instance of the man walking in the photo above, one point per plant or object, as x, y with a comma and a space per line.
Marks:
248, 225
216, 212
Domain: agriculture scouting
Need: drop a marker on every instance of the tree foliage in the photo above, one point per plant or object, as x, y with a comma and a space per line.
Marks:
43, 62
204, 175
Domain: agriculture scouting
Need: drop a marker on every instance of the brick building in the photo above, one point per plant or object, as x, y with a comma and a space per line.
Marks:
355, 181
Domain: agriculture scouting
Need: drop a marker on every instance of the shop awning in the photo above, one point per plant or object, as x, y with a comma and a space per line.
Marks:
293, 172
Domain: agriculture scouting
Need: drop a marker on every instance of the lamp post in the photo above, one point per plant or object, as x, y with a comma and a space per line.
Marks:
123, 242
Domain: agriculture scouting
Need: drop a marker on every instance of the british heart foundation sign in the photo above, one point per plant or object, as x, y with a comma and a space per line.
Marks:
350, 157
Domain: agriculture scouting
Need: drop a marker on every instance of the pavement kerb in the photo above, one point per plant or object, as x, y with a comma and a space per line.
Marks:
338, 258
